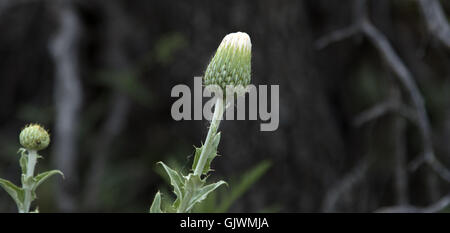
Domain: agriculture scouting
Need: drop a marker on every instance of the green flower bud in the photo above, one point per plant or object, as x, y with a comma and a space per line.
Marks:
34, 137
231, 65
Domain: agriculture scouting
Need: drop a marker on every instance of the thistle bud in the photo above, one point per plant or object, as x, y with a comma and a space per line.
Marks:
231, 65
34, 137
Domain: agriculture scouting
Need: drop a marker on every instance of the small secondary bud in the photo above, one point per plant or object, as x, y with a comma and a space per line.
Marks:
231, 65
34, 137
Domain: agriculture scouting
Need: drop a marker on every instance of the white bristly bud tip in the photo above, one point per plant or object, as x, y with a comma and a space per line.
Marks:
231, 65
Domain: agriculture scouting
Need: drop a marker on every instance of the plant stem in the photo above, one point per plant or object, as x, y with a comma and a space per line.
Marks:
215, 122
27, 186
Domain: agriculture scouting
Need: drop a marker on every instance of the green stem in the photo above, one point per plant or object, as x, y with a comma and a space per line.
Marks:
215, 122
27, 186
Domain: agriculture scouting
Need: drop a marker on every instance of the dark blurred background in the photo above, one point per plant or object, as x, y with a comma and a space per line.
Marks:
354, 135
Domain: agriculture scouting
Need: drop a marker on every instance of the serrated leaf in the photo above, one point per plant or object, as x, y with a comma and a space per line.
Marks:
212, 153
156, 205
208, 205
177, 181
39, 179
16, 193
202, 193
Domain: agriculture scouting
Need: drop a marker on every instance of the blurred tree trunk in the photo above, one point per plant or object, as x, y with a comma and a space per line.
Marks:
67, 96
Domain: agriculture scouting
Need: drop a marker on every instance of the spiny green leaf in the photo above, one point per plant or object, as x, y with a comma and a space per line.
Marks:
209, 205
156, 205
202, 193
177, 181
16, 193
39, 179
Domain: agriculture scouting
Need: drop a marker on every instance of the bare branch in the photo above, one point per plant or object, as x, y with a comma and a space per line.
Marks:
436, 20
433, 208
336, 36
373, 113
439, 168
364, 26
395, 63
416, 163
344, 185
383, 108
406, 79
344, 33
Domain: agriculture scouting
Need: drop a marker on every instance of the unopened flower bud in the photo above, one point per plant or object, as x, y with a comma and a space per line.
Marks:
231, 65
34, 137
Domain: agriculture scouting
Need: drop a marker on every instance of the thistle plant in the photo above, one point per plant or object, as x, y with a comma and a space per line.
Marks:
33, 138
228, 73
